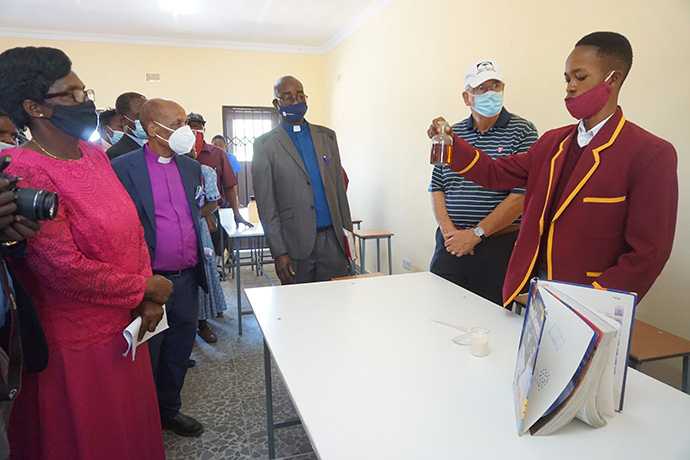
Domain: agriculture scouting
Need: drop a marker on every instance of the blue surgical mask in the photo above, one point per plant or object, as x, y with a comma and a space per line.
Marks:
139, 130
5, 145
488, 104
115, 138
293, 113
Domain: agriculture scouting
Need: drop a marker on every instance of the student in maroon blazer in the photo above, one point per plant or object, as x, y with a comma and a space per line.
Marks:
602, 195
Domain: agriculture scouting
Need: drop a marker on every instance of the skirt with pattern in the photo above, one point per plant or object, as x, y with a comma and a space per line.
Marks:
213, 303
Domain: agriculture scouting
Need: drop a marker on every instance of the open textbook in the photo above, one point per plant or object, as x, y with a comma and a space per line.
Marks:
573, 355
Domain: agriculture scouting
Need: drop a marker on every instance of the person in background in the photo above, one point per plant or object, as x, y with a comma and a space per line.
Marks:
300, 192
9, 134
211, 304
219, 141
166, 188
477, 228
128, 107
214, 157
110, 128
601, 195
88, 272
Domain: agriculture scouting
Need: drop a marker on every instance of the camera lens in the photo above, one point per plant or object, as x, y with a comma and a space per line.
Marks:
36, 204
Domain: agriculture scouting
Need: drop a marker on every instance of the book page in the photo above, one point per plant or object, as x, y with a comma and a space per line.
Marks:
616, 305
564, 343
533, 325
131, 333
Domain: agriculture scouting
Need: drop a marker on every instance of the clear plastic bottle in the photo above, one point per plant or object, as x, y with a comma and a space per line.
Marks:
441, 146
253, 211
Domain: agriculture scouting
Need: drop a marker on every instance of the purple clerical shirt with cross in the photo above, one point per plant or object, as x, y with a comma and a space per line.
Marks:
176, 240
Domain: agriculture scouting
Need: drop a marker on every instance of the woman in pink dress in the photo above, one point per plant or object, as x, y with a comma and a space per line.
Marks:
89, 274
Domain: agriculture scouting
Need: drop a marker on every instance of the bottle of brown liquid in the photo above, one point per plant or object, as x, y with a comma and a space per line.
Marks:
441, 146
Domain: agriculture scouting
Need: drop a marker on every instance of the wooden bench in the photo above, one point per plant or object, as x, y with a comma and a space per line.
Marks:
649, 343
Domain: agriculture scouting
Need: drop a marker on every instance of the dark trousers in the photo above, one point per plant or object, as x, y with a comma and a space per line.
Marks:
482, 273
326, 261
170, 349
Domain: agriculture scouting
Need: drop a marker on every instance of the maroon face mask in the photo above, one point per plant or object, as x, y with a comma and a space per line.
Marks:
589, 103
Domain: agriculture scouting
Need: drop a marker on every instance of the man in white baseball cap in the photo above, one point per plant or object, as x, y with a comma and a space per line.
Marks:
477, 228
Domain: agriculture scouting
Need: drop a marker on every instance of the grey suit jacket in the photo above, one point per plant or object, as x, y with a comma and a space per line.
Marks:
283, 191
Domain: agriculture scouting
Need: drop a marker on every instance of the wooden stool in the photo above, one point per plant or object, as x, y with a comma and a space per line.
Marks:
364, 235
649, 343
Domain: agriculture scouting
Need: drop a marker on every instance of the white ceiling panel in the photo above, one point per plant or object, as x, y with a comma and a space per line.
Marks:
311, 26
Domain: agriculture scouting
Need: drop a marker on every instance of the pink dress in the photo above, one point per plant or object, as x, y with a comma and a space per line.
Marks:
86, 271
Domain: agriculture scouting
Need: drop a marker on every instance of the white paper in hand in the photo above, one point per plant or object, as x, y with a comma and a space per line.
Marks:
132, 332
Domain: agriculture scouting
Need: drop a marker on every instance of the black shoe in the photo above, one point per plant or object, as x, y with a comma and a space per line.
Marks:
191, 363
183, 425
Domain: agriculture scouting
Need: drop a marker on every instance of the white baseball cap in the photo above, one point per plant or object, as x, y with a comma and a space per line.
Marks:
480, 71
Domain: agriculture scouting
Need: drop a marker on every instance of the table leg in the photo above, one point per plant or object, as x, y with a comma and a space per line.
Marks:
390, 257
222, 251
239, 291
378, 255
270, 427
685, 384
362, 251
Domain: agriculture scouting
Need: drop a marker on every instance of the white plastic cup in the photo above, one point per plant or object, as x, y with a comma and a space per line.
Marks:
480, 341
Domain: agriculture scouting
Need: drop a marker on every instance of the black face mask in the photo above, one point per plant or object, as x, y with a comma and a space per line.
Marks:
78, 121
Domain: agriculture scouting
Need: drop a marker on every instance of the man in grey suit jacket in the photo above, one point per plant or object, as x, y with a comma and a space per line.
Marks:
300, 192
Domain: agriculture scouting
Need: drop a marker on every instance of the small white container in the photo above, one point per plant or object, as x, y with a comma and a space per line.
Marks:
480, 341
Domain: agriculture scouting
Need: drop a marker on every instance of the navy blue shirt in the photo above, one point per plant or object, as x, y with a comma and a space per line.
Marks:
305, 146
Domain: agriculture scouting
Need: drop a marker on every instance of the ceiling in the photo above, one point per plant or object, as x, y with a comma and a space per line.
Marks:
301, 26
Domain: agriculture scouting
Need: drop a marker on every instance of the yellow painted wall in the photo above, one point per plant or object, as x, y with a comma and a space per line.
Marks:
201, 80
389, 79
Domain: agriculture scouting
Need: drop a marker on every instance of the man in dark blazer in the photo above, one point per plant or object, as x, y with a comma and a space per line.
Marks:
300, 192
128, 107
166, 187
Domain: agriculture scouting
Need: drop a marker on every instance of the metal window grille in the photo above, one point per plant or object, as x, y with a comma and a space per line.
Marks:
241, 125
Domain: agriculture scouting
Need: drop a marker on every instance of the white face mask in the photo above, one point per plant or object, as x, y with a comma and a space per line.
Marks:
181, 140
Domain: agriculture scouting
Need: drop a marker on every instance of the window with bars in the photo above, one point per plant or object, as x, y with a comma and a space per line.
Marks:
241, 125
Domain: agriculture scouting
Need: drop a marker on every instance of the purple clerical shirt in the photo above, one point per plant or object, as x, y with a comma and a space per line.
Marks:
176, 241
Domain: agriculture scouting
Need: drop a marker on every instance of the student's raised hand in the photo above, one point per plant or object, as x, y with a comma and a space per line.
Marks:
435, 128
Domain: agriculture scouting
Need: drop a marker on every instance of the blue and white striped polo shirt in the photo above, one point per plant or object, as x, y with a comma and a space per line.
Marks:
468, 203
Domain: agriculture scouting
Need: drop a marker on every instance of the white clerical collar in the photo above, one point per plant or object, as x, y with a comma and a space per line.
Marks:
164, 160
584, 137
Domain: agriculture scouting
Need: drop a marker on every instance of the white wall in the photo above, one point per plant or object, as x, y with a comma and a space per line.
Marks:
388, 80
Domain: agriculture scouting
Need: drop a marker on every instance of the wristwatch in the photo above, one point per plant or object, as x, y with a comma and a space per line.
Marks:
479, 232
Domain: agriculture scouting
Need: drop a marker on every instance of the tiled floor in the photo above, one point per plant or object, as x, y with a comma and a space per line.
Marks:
226, 392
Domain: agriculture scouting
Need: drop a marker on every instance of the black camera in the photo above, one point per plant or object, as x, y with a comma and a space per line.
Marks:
31, 203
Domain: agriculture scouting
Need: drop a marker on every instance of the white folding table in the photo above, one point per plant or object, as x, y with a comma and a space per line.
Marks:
253, 235
374, 376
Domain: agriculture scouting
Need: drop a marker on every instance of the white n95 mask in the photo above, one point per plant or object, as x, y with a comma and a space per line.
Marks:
181, 140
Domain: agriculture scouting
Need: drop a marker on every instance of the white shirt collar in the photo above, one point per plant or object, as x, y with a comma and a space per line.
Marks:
164, 160
584, 137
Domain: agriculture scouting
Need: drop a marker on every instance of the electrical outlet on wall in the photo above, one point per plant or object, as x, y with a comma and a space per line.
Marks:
406, 263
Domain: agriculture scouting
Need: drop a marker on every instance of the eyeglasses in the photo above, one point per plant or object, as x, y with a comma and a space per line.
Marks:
79, 95
483, 88
291, 101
